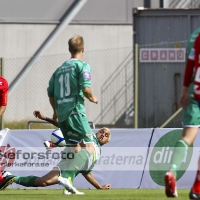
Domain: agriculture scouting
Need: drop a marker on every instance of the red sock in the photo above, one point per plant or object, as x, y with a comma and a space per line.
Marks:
196, 185
1, 178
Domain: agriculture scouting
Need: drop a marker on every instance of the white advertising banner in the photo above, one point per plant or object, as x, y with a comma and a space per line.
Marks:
22, 153
151, 55
159, 159
136, 140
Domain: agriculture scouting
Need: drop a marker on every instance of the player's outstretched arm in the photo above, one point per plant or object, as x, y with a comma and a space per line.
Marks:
39, 115
90, 178
88, 94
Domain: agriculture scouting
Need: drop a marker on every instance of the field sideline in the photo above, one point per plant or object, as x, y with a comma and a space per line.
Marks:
90, 194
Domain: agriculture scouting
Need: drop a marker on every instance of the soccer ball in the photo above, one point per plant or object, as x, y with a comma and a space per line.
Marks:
57, 138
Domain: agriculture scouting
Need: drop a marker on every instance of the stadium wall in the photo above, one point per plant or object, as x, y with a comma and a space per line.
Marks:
105, 45
160, 80
22, 40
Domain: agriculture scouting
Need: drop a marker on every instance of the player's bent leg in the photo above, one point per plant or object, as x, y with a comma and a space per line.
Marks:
170, 185
27, 181
48, 179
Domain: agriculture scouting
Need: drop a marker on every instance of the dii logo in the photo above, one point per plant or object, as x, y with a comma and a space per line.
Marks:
161, 156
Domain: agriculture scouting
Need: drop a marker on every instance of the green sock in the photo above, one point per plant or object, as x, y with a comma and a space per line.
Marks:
76, 164
181, 148
10, 176
28, 181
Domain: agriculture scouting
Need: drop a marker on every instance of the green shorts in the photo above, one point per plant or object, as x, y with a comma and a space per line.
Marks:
67, 155
76, 129
191, 115
64, 162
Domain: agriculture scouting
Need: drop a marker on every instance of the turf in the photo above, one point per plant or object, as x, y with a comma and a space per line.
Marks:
90, 194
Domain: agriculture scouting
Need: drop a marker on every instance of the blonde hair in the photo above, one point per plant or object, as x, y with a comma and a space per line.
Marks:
76, 44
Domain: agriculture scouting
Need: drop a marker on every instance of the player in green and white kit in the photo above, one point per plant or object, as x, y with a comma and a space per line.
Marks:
65, 88
191, 123
68, 86
100, 138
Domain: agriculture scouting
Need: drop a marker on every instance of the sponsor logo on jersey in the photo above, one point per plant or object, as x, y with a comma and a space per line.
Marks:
65, 100
87, 75
191, 55
1, 83
69, 133
72, 134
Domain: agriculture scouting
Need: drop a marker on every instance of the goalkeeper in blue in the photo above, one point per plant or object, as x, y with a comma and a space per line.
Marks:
55, 176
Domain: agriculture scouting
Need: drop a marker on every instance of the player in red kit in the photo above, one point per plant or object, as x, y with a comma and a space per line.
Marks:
190, 102
3, 94
197, 69
3, 97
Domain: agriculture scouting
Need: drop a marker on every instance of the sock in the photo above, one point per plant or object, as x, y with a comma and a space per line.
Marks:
70, 180
76, 164
179, 154
1, 178
27, 181
196, 185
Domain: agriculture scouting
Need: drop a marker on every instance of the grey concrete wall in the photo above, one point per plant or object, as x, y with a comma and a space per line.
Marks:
106, 47
160, 82
23, 40
51, 11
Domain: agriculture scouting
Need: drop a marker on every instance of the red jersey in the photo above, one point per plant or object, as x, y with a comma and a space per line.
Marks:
3, 91
193, 65
197, 68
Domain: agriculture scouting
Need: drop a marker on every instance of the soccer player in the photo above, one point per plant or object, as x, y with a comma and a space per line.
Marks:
102, 137
68, 86
3, 95
191, 117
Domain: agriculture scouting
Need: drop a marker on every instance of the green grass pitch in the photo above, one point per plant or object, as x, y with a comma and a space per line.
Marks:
90, 194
